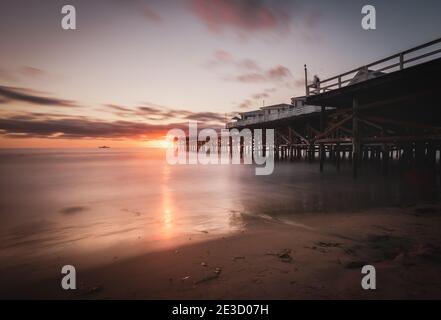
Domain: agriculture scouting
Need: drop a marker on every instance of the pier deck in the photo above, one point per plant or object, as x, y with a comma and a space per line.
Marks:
394, 114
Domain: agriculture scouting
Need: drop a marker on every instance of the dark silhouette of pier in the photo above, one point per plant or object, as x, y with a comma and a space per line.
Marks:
386, 110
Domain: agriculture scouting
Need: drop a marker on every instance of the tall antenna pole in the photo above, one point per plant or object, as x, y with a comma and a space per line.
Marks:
306, 81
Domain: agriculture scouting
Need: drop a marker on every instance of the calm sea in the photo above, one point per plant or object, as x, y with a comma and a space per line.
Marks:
61, 202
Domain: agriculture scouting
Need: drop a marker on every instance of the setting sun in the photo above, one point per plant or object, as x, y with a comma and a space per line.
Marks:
160, 143
166, 144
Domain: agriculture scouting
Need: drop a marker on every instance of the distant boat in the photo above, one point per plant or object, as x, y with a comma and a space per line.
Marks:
104, 147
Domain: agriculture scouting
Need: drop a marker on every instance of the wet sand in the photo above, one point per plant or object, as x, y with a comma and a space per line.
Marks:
315, 257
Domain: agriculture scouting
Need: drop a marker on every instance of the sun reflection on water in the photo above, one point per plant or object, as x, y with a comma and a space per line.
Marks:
167, 205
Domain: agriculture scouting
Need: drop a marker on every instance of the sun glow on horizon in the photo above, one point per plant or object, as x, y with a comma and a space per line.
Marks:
160, 143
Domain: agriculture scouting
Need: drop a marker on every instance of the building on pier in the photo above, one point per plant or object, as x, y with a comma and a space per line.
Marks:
387, 109
273, 113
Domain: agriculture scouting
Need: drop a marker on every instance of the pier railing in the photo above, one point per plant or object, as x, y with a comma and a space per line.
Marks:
296, 111
392, 63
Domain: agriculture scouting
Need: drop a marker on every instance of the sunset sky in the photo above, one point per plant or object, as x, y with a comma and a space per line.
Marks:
134, 69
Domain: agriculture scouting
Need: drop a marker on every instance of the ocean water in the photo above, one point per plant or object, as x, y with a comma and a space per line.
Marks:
61, 202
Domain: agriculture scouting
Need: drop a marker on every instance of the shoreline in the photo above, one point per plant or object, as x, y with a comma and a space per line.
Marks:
318, 257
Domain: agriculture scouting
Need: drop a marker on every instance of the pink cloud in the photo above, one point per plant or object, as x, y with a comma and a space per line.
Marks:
278, 72
260, 95
248, 64
242, 15
250, 77
275, 74
223, 56
246, 104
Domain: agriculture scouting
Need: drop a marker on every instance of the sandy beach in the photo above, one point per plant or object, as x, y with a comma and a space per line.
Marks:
316, 257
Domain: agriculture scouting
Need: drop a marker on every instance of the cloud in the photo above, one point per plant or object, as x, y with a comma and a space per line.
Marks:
206, 117
16, 74
72, 128
275, 74
249, 70
31, 96
220, 57
84, 128
155, 112
260, 95
278, 72
244, 16
118, 108
248, 64
223, 56
140, 122
246, 104
249, 77
255, 99
150, 14
147, 111
31, 71
256, 17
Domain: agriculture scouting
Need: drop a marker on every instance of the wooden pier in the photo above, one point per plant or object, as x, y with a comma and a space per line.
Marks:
387, 110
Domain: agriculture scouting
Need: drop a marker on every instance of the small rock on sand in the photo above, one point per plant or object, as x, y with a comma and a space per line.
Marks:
284, 255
